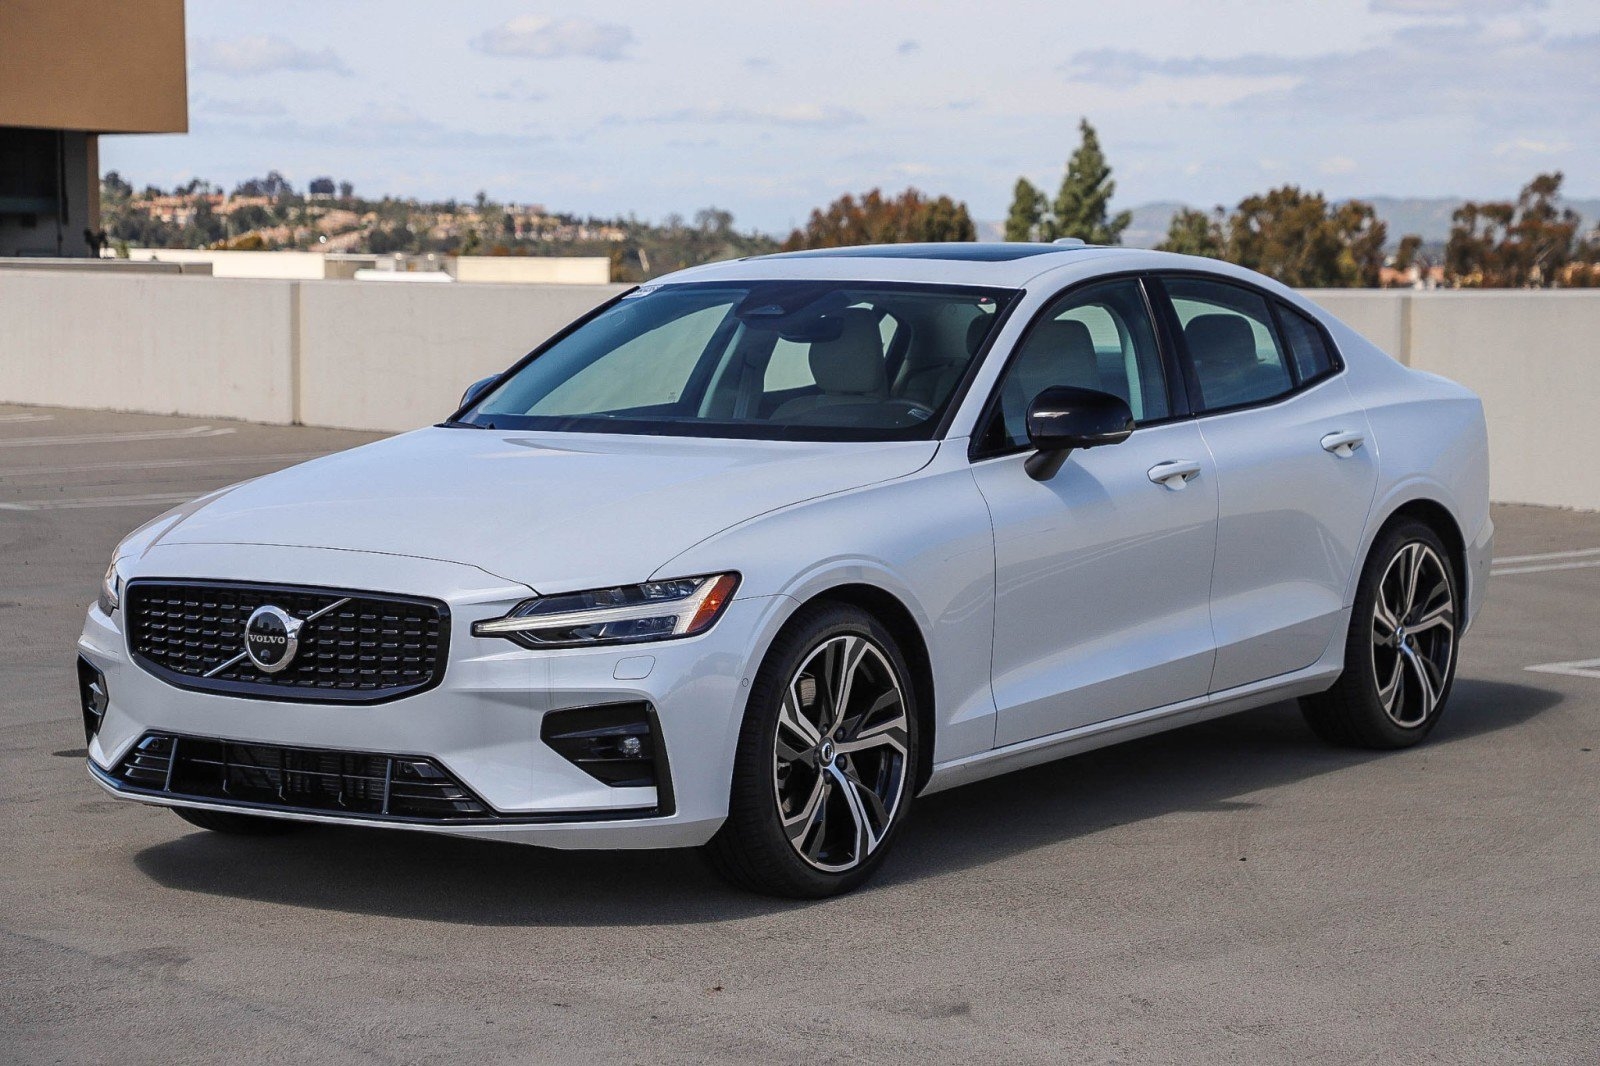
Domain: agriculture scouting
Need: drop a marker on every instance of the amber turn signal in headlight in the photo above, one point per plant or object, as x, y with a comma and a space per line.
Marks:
627, 614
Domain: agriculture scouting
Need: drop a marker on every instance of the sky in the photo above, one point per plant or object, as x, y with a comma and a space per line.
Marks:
770, 109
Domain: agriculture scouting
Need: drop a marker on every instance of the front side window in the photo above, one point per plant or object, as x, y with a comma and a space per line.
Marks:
1097, 337
769, 359
1231, 343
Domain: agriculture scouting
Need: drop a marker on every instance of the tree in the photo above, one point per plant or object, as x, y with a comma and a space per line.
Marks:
1406, 254
346, 190
1080, 207
1526, 244
713, 221
321, 187
1027, 212
1194, 232
1301, 240
113, 187
876, 219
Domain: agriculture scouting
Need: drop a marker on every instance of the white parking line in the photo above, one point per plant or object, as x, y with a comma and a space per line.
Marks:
27, 418
1541, 569
1578, 559
101, 501
1546, 556
118, 438
1576, 668
157, 464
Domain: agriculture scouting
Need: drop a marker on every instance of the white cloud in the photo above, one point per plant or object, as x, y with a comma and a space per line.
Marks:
1501, 74
1531, 146
1337, 164
257, 108
908, 47
1454, 8
812, 116
532, 37
262, 54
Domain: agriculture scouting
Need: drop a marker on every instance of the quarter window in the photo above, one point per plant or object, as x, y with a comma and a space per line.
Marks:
1231, 343
1099, 338
1307, 347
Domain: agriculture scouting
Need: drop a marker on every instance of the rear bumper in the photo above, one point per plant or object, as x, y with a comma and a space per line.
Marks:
481, 724
1480, 556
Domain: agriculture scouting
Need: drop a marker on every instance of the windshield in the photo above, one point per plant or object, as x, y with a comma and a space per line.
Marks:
803, 360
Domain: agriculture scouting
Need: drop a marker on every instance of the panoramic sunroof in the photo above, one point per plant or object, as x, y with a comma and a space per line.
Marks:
960, 251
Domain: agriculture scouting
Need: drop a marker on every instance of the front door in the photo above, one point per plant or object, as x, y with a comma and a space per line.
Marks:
1103, 572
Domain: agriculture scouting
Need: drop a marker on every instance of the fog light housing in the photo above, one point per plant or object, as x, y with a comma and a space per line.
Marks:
94, 697
619, 744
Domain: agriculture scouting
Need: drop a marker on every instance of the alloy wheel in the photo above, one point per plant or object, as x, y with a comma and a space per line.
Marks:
1413, 635
840, 753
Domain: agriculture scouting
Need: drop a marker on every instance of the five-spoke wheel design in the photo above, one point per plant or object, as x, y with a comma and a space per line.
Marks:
1413, 634
840, 754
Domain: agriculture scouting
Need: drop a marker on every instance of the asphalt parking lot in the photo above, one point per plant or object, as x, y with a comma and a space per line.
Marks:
1231, 892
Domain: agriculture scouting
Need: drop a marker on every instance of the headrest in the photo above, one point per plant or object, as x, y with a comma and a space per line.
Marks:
977, 330
1066, 337
1221, 342
1060, 352
852, 363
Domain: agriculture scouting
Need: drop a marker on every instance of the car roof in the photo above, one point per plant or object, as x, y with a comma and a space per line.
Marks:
1003, 265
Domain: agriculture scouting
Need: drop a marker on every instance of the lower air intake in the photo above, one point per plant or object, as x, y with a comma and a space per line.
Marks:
309, 780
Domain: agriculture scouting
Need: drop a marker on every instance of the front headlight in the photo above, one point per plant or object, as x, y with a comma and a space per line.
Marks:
655, 610
110, 588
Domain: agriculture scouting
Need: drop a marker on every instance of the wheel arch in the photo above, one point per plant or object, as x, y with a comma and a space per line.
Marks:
1439, 518
896, 617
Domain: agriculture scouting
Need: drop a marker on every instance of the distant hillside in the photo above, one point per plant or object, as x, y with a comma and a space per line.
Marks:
1427, 216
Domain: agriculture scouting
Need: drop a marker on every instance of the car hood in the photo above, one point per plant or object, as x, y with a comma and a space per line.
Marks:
554, 511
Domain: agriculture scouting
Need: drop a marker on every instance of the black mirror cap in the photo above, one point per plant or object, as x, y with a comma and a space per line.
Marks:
1064, 417
476, 389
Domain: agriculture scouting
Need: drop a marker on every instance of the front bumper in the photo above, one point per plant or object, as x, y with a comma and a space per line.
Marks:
481, 724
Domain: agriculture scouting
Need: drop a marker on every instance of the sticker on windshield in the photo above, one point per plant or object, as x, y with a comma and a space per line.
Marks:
642, 290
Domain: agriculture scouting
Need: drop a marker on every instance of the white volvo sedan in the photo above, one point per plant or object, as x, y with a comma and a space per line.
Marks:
753, 556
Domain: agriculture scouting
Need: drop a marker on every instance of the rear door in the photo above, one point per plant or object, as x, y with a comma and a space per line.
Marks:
1296, 472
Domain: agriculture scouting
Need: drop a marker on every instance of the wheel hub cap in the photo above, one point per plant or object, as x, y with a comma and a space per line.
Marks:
840, 759
1413, 635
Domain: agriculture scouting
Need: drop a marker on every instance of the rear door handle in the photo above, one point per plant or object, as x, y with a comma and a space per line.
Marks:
1176, 474
1343, 445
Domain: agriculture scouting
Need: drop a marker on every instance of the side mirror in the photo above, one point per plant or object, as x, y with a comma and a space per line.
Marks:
477, 388
1064, 417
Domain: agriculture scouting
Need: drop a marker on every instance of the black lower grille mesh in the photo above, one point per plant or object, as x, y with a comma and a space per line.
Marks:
299, 779
355, 647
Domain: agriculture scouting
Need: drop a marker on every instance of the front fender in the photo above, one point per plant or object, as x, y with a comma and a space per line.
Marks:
924, 539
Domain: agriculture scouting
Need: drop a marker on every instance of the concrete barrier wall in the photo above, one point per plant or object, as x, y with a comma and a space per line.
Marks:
393, 357
1535, 360
168, 344
376, 356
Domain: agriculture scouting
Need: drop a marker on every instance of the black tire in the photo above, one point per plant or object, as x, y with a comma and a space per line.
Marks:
246, 825
1354, 713
752, 849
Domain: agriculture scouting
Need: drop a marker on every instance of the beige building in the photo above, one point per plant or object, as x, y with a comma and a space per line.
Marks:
71, 70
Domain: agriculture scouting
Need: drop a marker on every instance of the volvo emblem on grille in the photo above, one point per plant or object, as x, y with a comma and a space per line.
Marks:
271, 638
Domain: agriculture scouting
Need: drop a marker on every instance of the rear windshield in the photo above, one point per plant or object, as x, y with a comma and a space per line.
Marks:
768, 359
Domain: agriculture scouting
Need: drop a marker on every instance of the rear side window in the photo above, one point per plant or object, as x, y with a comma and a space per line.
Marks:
1307, 346
1232, 345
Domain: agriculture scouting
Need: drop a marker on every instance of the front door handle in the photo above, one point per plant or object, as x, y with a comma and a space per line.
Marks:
1343, 445
1176, 474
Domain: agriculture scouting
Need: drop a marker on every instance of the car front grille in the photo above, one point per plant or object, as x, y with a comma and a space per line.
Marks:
307, 780
355, 647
